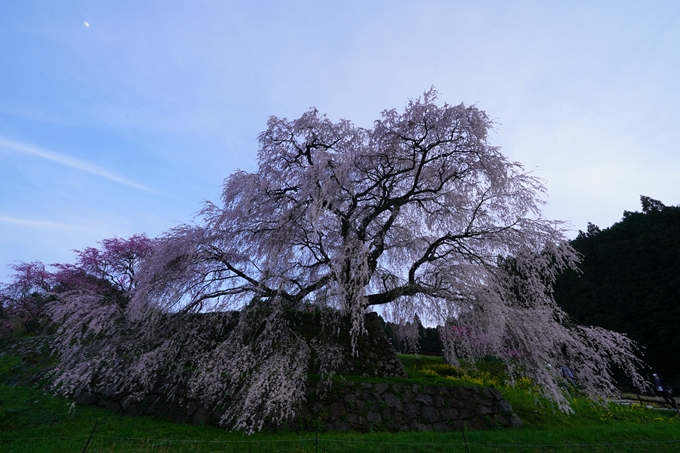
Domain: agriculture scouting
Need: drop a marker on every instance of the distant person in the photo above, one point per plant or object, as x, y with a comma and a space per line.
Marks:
665, 391
568, 374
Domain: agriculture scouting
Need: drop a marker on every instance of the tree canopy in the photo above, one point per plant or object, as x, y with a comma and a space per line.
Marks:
418, 215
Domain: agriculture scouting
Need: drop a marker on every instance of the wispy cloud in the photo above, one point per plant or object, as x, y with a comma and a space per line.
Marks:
42, 224
69, 161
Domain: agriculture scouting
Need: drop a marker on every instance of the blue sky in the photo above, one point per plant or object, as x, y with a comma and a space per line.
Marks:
127, 125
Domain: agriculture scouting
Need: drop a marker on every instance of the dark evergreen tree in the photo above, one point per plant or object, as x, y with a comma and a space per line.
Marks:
630, 280
428, 341
650, 204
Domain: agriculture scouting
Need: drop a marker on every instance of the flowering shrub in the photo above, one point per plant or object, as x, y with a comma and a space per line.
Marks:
441, 369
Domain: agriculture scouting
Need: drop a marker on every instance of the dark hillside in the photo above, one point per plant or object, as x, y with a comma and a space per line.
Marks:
631, 281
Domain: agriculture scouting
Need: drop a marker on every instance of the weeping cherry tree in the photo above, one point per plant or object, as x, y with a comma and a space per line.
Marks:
419, 214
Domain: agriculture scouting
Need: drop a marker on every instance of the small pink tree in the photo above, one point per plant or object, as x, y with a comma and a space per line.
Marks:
116, 262
26, 297
108, 272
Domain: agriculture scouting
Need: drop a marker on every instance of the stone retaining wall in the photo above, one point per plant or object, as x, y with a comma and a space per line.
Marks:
353, 406
399, 407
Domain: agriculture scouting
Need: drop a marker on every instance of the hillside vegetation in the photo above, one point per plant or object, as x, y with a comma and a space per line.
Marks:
630, 281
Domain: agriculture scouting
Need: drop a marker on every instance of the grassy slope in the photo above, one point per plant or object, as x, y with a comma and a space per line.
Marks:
32, 421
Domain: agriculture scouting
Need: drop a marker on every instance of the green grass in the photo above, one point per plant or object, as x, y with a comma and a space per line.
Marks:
8, 363
33, 421
534, 410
